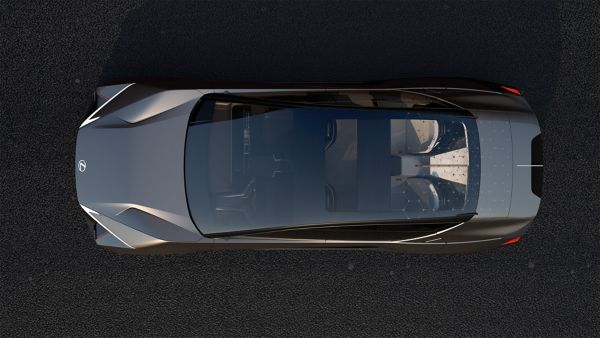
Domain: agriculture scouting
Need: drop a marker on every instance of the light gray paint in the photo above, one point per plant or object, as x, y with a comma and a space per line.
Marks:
139, 165
135, 159
524, 202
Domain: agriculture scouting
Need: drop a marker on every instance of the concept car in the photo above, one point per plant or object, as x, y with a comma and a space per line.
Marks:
434, 165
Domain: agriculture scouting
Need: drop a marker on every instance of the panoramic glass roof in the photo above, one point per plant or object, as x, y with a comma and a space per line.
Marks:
253, 166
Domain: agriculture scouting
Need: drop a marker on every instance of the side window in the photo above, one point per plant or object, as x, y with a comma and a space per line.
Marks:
390, 99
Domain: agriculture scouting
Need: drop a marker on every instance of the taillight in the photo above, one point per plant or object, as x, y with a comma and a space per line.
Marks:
512, 90
512, 241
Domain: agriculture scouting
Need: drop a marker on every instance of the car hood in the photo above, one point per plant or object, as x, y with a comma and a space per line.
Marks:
134, 163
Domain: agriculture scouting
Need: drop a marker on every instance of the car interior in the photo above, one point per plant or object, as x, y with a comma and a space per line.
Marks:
255, 171
427, 168
257, 154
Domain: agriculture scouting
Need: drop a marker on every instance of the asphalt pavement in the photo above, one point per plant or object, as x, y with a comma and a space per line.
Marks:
55, 281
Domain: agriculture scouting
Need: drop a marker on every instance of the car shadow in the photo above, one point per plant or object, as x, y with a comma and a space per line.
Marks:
287, 41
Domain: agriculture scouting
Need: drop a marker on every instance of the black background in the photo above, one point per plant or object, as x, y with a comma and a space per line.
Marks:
55, 281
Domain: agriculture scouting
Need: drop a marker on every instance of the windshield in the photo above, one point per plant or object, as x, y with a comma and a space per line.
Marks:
254, 166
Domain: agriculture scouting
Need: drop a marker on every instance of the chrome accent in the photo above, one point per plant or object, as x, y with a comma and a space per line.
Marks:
81, 165
91, 213
91, 118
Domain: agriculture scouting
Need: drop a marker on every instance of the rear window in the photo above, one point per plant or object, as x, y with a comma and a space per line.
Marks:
256, 167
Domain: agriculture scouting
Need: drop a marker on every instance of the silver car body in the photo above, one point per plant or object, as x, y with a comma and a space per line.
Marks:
130, 173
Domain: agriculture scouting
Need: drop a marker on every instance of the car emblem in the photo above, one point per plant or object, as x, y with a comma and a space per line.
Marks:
81, 165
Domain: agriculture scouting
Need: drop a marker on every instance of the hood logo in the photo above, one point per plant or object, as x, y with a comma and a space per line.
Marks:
81, 165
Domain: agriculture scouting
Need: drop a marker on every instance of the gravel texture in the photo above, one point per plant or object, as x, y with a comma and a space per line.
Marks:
55, 281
